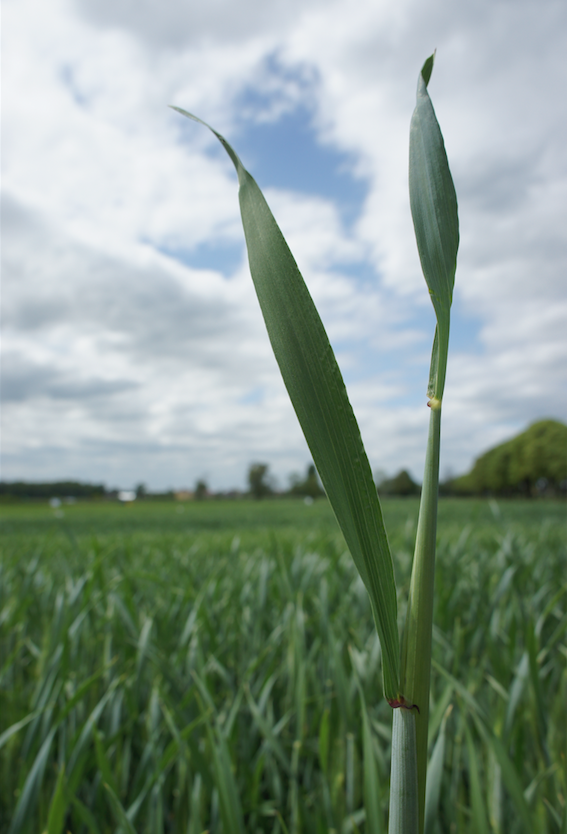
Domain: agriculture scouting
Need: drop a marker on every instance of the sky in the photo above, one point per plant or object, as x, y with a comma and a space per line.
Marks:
133, 347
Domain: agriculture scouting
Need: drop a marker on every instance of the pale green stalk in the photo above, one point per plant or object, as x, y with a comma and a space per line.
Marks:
416, 643
409, 736
404, 809
317, 392
434, 213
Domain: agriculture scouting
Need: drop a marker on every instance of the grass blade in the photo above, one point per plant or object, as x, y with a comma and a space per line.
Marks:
371, 783
229, 801
58, 806
324, 735
435, 776
118, 811
434, 211
318, 394
479, 817
509, 774
28, 797
7, 734
85, 815
88, 727
271, 741
102, 760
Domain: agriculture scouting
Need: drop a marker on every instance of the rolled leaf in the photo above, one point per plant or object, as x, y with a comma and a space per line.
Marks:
318, 394
433, 204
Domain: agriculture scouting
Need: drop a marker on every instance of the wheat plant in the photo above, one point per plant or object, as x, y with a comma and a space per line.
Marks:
214, 666
318, 394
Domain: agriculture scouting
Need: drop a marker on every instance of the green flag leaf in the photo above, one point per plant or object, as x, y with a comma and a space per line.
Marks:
318, 394
433, 204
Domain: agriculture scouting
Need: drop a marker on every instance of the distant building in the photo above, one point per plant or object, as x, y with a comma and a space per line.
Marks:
184, 495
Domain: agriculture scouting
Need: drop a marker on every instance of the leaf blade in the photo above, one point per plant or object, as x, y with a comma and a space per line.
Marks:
434, 210
318, 394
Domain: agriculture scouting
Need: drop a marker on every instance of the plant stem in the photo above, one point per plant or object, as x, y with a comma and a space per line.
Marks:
404, 805
416, 645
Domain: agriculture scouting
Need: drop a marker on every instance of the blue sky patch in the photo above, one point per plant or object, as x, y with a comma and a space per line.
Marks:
286, 154
221, 256
465, 328
278, 143
255, 396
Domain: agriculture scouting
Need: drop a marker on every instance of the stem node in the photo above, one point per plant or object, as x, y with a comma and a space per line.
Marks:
401, 703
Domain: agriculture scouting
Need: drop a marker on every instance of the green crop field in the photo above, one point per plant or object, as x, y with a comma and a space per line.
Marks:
214, 667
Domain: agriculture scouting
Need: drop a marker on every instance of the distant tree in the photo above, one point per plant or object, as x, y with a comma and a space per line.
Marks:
402, 485
201, 490
141, 491
55, 489
258, 480
533, 461
309, 486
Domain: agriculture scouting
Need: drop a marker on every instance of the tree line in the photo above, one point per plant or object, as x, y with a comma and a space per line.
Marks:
534, 463
59, 489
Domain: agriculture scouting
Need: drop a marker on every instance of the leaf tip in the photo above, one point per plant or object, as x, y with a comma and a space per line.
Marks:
427, 68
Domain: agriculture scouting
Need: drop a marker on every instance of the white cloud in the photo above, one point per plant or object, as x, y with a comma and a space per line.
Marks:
123, 364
